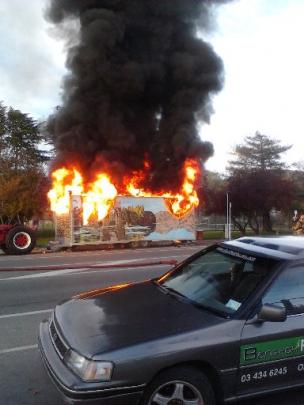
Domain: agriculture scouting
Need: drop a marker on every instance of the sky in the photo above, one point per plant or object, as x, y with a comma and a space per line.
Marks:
260, 42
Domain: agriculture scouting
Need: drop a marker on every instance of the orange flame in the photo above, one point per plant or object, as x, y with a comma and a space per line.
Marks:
97, 200
98, 197
65, 181
179, 204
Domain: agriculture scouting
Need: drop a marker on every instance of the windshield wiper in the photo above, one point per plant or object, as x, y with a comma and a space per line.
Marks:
210, 309
174, 292
169, 290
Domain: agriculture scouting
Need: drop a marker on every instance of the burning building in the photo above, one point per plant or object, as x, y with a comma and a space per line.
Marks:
131, 219
139, 80
96, 213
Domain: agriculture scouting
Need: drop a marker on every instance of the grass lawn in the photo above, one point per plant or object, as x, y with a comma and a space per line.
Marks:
236, 234
43, 237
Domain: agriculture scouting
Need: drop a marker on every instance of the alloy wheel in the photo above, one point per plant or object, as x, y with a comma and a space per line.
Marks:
176, 393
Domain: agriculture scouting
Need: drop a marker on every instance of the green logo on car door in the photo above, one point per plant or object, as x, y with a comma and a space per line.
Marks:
272, 350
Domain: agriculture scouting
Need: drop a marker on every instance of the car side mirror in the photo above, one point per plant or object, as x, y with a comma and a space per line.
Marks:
271, 313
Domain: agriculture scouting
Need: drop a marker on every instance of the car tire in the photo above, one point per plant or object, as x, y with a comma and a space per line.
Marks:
183, 385
20, 240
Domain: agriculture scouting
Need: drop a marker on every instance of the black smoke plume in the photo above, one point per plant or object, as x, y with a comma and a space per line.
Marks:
139, 81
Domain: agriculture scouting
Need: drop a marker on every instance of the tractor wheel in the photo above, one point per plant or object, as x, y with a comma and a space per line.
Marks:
20, 240
3, 248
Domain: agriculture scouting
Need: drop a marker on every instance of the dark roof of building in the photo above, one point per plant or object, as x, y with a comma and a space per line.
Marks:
282, 247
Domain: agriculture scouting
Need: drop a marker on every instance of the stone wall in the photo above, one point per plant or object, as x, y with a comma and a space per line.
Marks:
63, 229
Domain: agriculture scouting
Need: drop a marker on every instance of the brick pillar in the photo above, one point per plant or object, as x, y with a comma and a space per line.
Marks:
64, 227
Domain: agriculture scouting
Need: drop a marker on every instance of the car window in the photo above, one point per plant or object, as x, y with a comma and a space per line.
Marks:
288, 290
220, 279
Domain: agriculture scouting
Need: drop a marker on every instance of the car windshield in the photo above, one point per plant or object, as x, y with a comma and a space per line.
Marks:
219, 280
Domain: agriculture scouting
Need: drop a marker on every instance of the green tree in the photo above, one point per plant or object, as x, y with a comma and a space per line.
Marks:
213, 193
257, 180
258, 152
297, 178
23, 195
20, 140
22, 172
253, 193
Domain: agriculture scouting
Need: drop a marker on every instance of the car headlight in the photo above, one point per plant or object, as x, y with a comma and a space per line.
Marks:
88, 370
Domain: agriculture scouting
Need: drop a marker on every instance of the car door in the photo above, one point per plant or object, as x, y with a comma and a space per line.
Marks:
272, 353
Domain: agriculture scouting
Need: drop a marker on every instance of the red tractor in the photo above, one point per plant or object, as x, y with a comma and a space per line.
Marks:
17, 239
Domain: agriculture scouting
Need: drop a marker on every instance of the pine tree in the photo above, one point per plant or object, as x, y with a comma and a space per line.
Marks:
259, 152
257, 179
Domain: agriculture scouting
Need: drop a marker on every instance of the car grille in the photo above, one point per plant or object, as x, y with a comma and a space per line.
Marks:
58, 343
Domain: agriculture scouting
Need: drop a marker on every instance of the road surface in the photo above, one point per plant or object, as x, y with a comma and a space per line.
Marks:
28, 297
97, 257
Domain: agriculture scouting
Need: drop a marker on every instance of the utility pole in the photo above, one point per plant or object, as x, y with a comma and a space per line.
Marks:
228, 218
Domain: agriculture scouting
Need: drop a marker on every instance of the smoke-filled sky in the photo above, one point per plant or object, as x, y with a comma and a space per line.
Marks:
258, 40
139, 79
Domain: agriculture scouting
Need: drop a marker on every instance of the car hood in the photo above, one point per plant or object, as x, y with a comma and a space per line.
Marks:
109, 319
